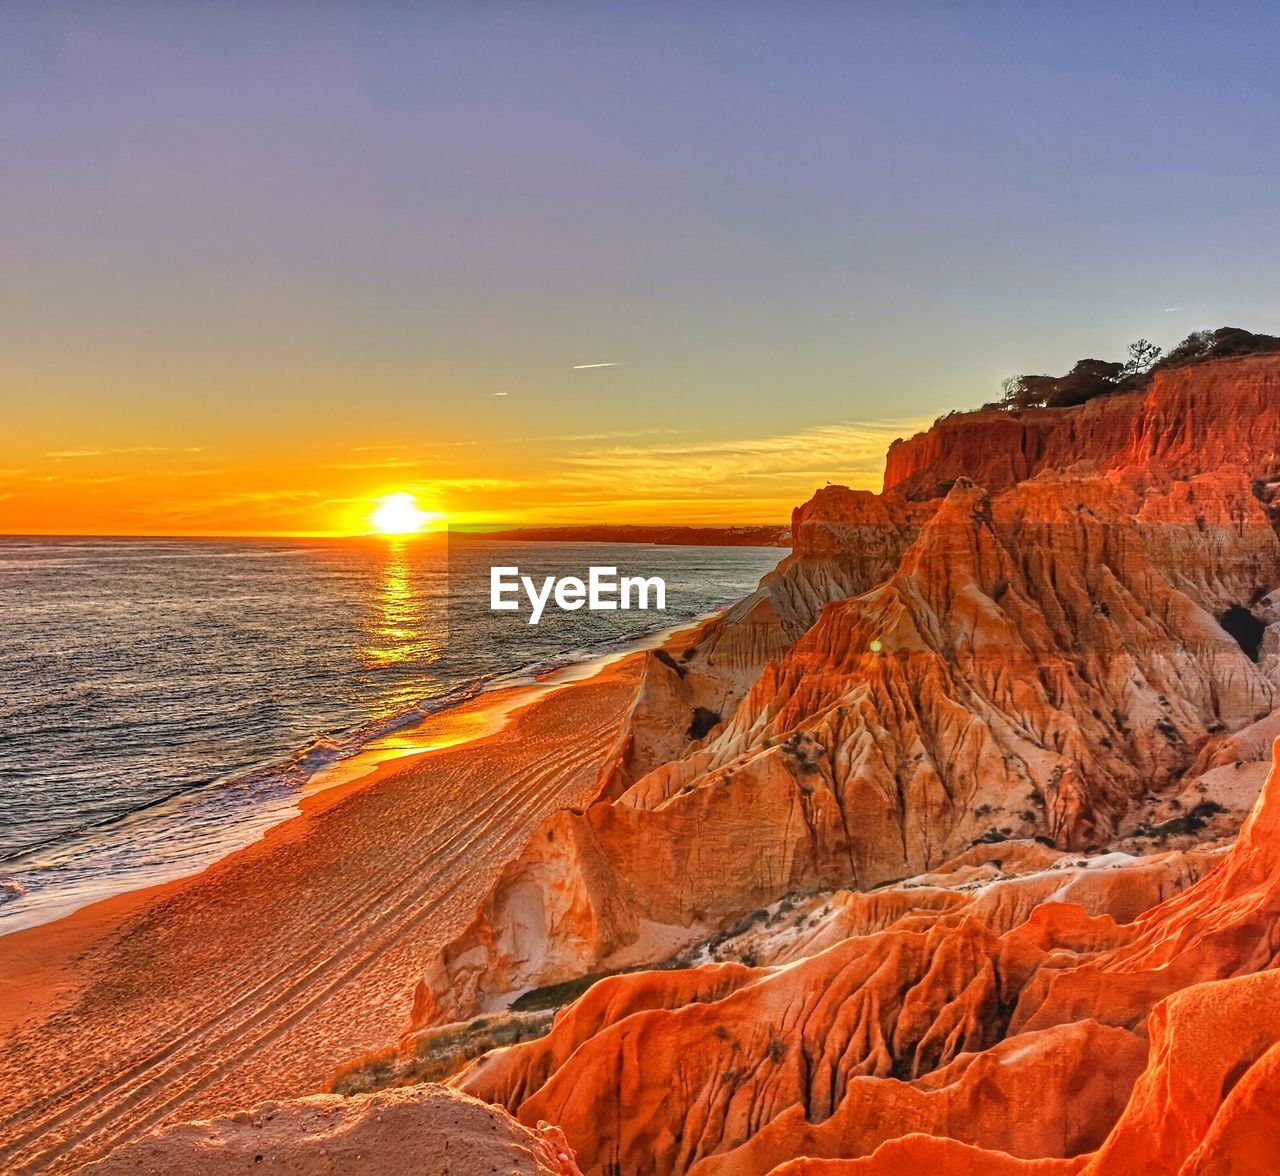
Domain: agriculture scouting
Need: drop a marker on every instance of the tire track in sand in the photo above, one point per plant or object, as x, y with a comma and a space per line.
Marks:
199, 1055
357, 907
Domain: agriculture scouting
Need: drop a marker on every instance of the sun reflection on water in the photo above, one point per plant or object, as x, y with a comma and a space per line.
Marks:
400, 628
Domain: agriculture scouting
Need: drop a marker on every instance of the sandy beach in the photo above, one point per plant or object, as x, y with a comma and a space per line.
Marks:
256, 977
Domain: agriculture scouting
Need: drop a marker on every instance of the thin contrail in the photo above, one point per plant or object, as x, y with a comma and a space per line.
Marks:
578, 367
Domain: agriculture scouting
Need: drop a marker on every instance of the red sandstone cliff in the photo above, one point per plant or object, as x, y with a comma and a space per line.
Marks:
924, 857
931, 833
1043, 663
1189, 421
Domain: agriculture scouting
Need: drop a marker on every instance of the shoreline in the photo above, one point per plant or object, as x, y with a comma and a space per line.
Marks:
475, 718
256, 977
466, 720
35, 957
462, 724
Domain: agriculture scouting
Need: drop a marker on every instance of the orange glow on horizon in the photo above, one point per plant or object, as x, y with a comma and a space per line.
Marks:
242, 482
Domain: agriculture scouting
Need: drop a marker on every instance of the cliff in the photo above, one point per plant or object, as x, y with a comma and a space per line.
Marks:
1024, 1024
1047, 662
922, 857
1189, 421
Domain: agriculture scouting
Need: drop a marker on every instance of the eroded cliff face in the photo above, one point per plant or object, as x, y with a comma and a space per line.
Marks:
1016, 1016
843, 543
932, 824
1190, 420
1038, 664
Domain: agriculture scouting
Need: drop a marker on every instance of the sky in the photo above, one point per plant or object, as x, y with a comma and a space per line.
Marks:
265, 263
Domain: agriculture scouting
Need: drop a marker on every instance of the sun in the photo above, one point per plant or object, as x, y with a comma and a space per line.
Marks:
398, 514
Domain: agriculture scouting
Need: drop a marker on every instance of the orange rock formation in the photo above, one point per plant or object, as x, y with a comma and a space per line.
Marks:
1188, 421
967, 1017
931, 833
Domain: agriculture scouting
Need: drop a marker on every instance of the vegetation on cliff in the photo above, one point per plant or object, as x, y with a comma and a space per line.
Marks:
1091, 378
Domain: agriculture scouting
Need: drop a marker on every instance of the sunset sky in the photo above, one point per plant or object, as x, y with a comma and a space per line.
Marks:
266, 263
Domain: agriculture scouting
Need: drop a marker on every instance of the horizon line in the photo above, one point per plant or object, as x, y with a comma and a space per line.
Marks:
367, 534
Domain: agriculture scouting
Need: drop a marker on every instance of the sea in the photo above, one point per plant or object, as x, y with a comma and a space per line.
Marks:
164, 701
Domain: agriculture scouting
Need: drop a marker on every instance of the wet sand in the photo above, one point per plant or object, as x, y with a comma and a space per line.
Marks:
254, 978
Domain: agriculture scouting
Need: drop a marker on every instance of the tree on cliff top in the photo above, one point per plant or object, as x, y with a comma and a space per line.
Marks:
1223, 343
1087, 379
1142, 357
1090, 378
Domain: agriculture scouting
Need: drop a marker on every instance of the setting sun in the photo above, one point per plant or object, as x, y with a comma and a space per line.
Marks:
399, 514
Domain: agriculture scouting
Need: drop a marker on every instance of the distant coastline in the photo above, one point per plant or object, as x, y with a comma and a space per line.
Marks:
769, 535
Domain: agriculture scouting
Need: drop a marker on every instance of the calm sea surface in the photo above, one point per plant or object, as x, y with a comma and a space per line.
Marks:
162, 701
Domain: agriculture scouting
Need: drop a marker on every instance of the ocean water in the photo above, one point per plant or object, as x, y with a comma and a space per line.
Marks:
163, 701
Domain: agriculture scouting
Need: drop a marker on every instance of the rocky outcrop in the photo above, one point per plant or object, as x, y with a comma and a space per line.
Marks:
932, 833
1026, 1036
994, 448
1037, 664
427, 1130
844, 542
1188, 421
1208, 1101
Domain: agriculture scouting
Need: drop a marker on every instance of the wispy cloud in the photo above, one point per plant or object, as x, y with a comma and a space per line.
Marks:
204, 472
63, 454
851, 452
387, 463
248, 500
479, 483
617, 435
